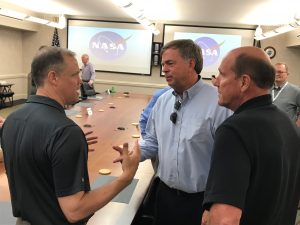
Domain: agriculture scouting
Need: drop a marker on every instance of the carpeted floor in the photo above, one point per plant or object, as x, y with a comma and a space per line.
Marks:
4, 112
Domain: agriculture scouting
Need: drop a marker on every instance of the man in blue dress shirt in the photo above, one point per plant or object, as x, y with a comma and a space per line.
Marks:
87, 70
146, 112
88, 76
180, 131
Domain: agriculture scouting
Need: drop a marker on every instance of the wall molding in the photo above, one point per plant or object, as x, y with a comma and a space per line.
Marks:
20, 96
13, 76
128, 83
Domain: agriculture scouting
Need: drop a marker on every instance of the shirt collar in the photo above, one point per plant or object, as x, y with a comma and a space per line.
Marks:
255, 103
192, 91
45, 101
275, 87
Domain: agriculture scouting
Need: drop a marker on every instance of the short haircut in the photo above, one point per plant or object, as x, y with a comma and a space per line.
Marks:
261, 72
47, 59
284, 64
85, 56
188, 50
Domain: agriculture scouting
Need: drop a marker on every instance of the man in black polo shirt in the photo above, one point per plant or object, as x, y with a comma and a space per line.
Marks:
45, 152
254, 177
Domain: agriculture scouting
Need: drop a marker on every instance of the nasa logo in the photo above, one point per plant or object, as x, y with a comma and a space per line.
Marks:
107, 45
210, 50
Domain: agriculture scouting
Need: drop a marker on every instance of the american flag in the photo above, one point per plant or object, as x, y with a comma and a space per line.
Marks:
257, 43
55, 39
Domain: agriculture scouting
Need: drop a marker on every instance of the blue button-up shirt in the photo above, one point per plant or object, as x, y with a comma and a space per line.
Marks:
184, 149
145, 114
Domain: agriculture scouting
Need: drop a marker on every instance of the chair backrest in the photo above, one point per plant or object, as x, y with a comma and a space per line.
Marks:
87, 90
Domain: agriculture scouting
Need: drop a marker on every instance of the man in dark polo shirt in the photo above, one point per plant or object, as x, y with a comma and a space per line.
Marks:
45, 152
254, 177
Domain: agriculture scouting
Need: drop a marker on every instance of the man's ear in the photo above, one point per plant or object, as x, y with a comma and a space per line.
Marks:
192, 63
52, 77
245, 82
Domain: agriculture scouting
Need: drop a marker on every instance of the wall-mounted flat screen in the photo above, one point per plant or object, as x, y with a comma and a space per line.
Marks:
215, 42
120, 47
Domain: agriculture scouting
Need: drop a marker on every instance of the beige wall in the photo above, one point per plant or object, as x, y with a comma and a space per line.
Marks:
11, 45
11, 58
33, 40
286, 53
18, 47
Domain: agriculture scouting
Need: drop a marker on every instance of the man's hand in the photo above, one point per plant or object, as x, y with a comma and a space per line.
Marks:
91, 82
90, 140
205, 216
1, 121
222, 214
298, 121
130, 160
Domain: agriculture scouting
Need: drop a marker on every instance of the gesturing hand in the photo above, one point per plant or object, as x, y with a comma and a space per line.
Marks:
130, 161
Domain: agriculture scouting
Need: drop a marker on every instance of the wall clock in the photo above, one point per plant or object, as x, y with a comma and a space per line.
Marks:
271, 52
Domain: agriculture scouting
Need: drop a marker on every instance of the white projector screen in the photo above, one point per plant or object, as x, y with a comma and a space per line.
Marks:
215, 42
121, 47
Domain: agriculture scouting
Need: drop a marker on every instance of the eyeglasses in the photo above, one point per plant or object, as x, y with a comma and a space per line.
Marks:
280, 72
173, 116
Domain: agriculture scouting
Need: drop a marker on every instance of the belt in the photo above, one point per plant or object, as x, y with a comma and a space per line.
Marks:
85, 80
181, 193
20, 221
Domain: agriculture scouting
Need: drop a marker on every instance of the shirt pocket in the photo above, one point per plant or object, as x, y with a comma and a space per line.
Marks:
197, 129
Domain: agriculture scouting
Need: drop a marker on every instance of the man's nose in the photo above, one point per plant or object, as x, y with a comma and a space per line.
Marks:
164, 68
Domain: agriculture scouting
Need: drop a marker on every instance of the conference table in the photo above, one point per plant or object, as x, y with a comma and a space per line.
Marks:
113, 119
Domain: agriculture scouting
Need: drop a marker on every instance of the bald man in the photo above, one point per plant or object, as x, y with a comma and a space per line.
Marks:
255, 171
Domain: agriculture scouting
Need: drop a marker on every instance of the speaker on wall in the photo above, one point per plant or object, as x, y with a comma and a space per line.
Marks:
156, 48
156, 53
155, 60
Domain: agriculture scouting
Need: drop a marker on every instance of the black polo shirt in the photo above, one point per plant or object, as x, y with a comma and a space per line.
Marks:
45, 156
256, 164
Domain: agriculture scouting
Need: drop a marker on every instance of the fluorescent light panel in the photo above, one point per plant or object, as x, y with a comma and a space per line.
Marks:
36, 20
138, 14
13, 14
277, 31
284, 29
22, 16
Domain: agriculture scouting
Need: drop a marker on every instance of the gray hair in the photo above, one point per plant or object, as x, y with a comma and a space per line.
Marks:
285, 66
47, 59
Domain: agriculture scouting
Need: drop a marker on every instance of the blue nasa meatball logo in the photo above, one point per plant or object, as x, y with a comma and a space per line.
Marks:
107, 45
210, 50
